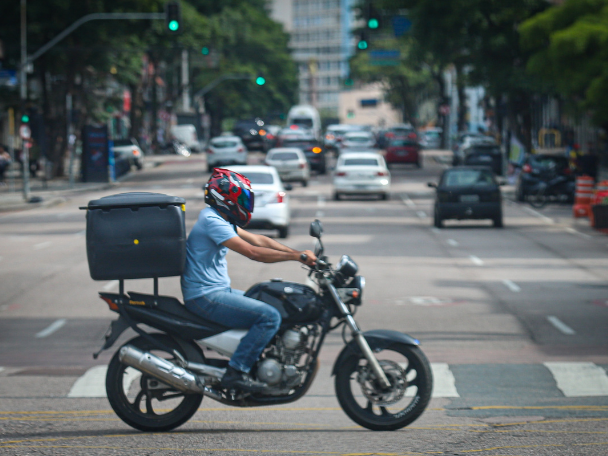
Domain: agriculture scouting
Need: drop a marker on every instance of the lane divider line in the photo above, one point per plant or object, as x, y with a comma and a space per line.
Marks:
110, 285
42, 245
321, 201
476, 260
578, 379
435, 230
421, 214
453, 242
544, 218
408, 202
55, 326
511, 285
561, 326
577, 233
319, 214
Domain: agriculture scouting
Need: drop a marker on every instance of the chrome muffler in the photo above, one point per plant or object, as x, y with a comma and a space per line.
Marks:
161, 369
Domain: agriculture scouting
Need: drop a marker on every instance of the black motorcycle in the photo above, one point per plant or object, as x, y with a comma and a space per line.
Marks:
551, 187
156, 381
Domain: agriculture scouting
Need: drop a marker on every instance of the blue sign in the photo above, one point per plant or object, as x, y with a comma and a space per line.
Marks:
8, 78
383, 54
401, 25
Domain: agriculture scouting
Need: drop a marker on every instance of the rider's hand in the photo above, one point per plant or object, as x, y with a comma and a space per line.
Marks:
311, 259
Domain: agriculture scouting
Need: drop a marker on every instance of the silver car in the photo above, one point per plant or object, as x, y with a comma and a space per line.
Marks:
357, 140
225, 150
290, 163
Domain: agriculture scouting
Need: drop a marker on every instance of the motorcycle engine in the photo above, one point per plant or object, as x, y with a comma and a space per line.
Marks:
291, 346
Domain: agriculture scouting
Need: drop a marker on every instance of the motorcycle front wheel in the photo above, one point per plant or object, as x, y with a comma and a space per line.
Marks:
538, 198
143, 402
368, 404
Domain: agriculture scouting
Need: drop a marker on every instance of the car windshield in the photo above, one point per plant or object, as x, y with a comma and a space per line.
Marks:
283, 156
123, 142
400, 143
357, 139
259, 178
302, 122
548, 162
360, 162
477, 150
466, 177
224, 143
432, 134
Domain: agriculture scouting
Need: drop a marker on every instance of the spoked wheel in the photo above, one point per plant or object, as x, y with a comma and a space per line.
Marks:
144, 402
538, 198
378, 409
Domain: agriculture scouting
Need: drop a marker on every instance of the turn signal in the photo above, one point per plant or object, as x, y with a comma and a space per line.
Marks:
262, 132
355, 294
280, 197
136, 152
110, 303
527, 168
316, 150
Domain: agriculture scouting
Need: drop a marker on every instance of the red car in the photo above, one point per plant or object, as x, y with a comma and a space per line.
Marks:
404, 150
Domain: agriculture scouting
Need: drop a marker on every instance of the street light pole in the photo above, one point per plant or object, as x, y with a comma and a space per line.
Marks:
25, 160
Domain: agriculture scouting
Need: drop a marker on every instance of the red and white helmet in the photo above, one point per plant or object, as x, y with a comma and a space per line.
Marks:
231, 194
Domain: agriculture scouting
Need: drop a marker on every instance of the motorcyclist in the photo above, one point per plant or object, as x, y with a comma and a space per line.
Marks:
206, 284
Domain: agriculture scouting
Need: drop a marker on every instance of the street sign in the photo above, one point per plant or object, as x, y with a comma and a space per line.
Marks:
8, 78
401, 25
382, 54
25, 132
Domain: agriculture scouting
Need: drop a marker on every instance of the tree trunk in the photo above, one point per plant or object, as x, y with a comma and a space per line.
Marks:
442, 119
462, 98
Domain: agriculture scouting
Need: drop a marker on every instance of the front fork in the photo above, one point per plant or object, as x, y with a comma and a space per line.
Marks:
360, 338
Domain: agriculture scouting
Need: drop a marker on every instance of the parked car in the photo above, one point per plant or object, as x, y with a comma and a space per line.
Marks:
313, 150
361, 173
225, 150
467, 193
186, 134
248, 130
271, 209
483, 154
431, 138
128, 149
291, 164
403, 150
357, 140
537, 168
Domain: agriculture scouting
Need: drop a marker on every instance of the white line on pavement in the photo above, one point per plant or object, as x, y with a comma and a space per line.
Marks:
435, 230
81, 233
453, 242
539, 215
321, 201
476, 260
1, 369
421, 214
576, 379
444, 383
93, 382
319, 214
408, 202
42, 245
511, 285
578, 233
563, 327
110, 285
189, 181
51, 328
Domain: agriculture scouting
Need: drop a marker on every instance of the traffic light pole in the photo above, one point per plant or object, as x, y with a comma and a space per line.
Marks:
25, 159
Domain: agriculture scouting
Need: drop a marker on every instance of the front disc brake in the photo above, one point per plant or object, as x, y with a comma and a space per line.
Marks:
374, 392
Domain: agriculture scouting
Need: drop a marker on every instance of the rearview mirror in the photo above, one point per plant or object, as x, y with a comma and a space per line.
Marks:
431, 184
288, 187
316, 229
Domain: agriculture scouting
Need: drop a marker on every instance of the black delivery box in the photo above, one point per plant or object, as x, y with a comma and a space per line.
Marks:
136, 236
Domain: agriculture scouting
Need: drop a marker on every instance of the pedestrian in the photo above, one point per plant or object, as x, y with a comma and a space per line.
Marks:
34, 158
206, 284
5, 161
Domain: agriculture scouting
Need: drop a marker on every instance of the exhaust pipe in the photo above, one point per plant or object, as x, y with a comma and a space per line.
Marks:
161, 369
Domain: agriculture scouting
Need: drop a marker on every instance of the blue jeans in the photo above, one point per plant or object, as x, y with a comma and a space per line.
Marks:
230, 308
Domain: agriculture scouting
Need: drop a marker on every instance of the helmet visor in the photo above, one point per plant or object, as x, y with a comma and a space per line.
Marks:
246, 199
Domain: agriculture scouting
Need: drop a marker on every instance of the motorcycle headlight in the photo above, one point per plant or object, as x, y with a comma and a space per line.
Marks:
347, 267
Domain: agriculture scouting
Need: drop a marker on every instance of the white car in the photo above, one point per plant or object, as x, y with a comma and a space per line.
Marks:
225, 150
271, 203
357, 140
129, 149
361, 173
290, 163
186, 134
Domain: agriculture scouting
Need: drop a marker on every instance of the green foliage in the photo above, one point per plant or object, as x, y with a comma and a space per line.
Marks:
570, 50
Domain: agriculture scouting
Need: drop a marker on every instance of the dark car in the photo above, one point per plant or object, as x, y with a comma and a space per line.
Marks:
403, 150
249, 132
537, 168
482, 154
313, 150
467, 192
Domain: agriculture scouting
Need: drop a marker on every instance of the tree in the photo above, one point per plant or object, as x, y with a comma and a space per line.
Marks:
570, 50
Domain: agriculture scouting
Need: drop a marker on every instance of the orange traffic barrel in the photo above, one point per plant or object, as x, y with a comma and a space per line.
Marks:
583, 194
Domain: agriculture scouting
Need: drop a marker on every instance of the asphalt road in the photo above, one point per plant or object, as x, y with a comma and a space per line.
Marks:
513, 320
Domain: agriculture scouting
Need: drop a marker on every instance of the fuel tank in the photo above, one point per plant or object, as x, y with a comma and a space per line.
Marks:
297, 303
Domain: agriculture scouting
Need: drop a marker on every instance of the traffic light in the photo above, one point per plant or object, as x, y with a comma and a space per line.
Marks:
363, 42
173, 17
205, 50
25, 118
260, 80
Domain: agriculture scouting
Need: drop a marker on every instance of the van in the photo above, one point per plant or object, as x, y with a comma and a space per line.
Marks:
305, 116
186, 134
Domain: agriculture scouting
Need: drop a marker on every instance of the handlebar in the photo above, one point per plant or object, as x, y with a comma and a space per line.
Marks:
321, 263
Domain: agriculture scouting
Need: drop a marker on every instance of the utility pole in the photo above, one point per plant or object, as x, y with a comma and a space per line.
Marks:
185, 82
23, 95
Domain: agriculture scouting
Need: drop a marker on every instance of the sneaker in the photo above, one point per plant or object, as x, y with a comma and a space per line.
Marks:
242, 381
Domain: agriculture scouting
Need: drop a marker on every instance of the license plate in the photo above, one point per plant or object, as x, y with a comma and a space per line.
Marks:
484, 158
469, 198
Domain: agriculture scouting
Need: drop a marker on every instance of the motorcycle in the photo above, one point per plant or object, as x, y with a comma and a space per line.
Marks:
156, 381
552, 187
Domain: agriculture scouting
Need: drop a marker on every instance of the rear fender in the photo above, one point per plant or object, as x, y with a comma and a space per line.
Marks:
378, 339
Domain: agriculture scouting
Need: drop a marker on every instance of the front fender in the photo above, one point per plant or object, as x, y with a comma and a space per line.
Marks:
378, 339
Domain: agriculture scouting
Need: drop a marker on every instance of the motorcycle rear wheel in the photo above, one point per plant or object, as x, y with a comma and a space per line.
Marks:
538, 199
364, 401
143, 402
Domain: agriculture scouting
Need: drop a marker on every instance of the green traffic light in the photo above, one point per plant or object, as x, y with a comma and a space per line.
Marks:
25, 118
348, 82
205, 51
362, 45
173, 26
373, 23
260, 81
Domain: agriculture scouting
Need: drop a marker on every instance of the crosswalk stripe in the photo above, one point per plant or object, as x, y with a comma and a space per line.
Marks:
444, 383
579, 379
93, 382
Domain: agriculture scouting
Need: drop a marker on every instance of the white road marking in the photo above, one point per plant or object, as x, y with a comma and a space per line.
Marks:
539, 215
56, 325
42, 245
200, 195
321, 201
563, 327
577, 233
421, 214
62, 215
444, 383
93, 382
408, 202
189, 181
577, 379
435, 230
1, 368
476, 260
110, 285
319, 214
453, 242
511, 285
81, 233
